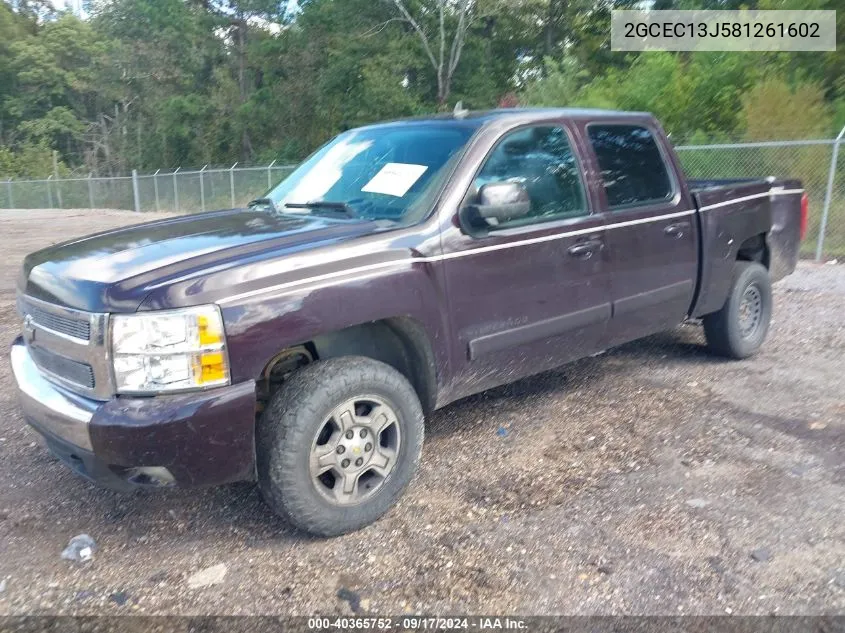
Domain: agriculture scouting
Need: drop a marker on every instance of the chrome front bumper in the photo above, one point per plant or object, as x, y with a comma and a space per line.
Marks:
48, 406
191, 439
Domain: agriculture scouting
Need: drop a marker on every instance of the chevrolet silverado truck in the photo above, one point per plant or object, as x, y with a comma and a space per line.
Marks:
301, 341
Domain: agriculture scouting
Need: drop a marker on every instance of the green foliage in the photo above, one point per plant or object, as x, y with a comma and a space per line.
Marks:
773, 109
561, 86
697, 96
28, 161
160, 83
55, 84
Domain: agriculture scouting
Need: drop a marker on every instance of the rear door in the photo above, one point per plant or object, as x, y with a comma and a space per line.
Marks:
652, 236
529, 294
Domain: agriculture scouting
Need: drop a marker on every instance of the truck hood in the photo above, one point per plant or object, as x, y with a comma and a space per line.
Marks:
113, 271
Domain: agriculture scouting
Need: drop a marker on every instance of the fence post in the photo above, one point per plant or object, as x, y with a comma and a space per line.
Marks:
270, 175
232, 183
828, 194
176, 189
49, 192
155, 186
56, 176
135, 191
11, 198
90, 191
202, 189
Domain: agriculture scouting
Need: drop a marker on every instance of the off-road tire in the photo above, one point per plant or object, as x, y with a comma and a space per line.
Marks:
723, 329
286, 432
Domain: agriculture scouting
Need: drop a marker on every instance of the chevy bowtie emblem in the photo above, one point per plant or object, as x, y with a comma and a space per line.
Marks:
28, 329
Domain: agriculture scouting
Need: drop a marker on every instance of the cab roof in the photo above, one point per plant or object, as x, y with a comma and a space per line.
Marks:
477, 118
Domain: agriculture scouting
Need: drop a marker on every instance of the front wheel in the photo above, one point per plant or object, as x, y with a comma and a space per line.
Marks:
338, 444
740, 327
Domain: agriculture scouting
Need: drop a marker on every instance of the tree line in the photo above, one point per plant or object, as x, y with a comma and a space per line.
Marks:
149, 84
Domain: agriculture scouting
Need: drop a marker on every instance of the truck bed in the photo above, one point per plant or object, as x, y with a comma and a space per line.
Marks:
765, 207
697, 185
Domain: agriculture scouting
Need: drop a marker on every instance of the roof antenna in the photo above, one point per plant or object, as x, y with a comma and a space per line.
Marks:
460, 112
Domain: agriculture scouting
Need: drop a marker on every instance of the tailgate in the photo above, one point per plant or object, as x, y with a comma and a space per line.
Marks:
785, 238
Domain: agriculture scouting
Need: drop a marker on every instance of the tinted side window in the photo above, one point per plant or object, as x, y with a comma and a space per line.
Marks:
631, 165
543, 161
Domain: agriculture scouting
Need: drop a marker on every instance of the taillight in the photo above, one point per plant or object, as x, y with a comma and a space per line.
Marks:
805, 214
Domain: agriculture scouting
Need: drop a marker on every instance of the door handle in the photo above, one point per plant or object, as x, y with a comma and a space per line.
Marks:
676, 230
586, 249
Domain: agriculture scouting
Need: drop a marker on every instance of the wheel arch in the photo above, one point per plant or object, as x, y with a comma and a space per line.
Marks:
755, 249
401, 342
717, 262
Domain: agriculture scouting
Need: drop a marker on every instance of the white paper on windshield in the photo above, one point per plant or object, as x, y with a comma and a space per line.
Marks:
394, 179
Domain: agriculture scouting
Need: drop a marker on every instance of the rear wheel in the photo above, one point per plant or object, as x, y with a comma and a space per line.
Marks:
338, 444
740, 327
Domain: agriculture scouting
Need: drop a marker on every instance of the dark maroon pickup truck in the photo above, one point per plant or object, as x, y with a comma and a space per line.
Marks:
301, 341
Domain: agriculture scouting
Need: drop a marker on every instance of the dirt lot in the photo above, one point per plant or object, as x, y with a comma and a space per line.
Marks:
653, 479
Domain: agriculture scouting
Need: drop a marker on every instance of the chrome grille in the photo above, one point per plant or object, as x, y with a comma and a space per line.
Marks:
81, 374
69, 346
68, 326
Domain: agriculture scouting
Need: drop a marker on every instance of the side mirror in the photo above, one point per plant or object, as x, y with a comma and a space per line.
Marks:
498, 202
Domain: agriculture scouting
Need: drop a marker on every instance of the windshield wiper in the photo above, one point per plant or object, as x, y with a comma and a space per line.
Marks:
343, 207
262, 202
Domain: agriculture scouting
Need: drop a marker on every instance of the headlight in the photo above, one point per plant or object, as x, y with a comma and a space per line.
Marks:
169, 350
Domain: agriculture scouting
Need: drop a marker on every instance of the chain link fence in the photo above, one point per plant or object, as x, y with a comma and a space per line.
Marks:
815, 162
180, 191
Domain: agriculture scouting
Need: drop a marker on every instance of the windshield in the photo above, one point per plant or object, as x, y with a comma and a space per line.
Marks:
380, 173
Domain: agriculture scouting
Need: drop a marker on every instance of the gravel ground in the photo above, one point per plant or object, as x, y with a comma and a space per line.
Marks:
653, 479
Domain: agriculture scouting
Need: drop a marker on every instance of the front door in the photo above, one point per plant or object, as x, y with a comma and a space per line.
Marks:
529, 294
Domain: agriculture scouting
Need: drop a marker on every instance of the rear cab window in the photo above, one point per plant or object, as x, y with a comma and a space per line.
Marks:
633, 169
